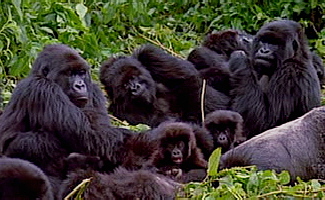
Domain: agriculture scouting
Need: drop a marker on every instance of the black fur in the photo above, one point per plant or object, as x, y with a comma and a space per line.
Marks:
21, 180
149, 104
152, 86
122, 184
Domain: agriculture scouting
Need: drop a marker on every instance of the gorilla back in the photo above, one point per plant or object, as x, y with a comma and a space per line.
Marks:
297, 146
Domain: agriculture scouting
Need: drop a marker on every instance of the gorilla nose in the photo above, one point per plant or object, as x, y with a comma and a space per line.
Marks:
176, 153
264, 50
222, 138
80, 86
135, 86
135, 89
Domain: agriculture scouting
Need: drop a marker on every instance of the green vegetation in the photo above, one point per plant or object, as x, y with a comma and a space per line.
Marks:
249, 183
99, 30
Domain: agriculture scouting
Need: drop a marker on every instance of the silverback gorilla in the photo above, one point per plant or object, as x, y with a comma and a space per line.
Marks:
57, 110
297, 146
283, 85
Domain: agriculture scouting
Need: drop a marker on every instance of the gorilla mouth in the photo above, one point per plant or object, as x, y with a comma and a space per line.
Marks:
81, 101
178, 160
264, 61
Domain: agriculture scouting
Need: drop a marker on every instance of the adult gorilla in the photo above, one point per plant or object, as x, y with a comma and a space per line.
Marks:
296, 146
280, 83
57, 110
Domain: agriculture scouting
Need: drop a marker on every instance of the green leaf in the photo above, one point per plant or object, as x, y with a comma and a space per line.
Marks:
17, 4
1, 45
213, 164
315, 184
284, 177
81, 10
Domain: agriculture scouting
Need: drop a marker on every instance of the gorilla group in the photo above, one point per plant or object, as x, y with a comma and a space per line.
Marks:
271, 78
57, 110
56, 123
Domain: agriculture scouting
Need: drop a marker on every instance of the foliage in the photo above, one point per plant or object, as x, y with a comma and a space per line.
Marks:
248, 182
124, 124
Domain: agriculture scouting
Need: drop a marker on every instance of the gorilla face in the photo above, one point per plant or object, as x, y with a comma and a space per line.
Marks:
273, 44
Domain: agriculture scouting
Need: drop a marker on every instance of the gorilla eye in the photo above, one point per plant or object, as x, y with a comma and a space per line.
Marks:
80, 72
170, 146
45, 71
181, 145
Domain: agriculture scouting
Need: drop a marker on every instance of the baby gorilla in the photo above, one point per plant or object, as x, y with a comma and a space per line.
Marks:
226, 128
177, 150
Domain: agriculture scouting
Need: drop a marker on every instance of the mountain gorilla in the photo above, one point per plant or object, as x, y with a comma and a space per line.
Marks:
152, 86
56, 110
21, 180
297, 146
121, 184
226, 128
283, 84
177, 152
227, 41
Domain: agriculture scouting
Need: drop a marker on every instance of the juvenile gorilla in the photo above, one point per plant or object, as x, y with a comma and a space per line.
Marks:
297, 146
21, 180
283, 84
226, 128
227, 41
211, 60
57, 110
177, 150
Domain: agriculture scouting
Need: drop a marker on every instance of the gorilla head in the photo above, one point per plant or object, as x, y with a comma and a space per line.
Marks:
276, 42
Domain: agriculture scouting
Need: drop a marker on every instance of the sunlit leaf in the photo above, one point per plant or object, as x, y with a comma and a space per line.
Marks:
213, 164
81, 10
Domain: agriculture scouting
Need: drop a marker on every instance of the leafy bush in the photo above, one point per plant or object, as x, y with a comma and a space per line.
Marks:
99, 30
248, 182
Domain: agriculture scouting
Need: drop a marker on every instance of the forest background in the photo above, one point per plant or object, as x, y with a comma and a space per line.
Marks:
101, 29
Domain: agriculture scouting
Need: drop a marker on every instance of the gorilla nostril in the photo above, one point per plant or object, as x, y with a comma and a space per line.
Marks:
222, 137
264, 50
